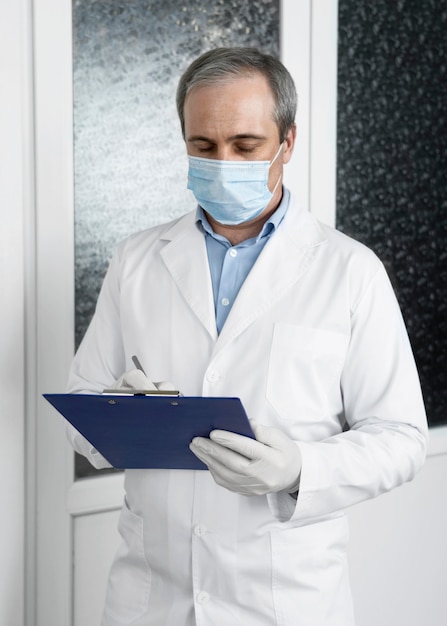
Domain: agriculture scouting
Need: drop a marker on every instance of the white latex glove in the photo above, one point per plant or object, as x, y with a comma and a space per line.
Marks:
136, 379
251, 467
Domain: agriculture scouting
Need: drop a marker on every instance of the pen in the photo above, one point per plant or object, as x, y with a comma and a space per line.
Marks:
156, 388
138, 364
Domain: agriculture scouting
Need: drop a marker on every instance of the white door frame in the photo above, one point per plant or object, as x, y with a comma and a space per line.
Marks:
309, 51
55, 303
309, 39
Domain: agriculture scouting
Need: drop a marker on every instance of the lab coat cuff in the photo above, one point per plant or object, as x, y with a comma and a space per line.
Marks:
84, 447
304, 505
282, 505
97, 460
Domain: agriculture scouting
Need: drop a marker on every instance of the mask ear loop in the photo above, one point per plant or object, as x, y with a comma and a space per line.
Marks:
276, 155
271, 163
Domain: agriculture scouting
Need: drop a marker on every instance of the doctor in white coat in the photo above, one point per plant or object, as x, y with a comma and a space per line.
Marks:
250, 296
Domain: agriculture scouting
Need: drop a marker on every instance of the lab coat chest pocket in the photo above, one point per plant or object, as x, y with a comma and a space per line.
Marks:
130, 577
304, 371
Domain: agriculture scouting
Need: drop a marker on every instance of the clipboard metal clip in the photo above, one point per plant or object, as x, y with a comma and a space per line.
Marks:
143, 392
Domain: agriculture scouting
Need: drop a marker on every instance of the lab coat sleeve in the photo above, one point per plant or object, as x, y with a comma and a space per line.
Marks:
99, 360
385, 444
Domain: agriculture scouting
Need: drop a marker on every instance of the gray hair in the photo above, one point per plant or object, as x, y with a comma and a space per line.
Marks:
223, 64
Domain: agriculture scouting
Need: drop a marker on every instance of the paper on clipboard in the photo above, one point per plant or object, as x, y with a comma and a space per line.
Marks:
136, 431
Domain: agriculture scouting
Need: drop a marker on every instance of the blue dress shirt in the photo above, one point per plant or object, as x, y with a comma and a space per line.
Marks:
230, 265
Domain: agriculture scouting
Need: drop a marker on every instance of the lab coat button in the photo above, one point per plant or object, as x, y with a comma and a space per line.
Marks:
202, 597
199, 530
212, 376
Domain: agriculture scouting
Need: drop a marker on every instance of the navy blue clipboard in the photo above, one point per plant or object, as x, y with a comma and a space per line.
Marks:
149, 431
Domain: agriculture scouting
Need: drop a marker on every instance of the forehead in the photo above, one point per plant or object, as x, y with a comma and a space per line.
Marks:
234, 103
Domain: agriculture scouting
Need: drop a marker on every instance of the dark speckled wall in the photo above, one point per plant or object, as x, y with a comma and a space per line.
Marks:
392, 162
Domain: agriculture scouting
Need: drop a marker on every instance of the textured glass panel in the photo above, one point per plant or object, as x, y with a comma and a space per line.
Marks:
392, 162
130, 164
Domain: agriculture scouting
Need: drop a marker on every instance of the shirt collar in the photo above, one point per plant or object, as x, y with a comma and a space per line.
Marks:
268, 228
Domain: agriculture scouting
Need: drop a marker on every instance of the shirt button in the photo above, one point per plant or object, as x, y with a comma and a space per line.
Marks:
202, 597
225, 301
200, 530
233, 252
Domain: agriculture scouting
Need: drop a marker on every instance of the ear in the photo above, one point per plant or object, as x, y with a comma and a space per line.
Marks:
289, 143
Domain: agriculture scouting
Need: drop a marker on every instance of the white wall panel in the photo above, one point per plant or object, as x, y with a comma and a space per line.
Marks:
398, 553
14, 198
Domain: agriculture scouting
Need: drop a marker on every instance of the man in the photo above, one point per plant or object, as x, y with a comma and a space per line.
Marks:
250, 296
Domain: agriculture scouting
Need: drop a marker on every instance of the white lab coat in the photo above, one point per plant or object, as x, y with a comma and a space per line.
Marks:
314, 345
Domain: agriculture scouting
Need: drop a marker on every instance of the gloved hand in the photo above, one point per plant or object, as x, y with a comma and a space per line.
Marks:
247, 466
136, 379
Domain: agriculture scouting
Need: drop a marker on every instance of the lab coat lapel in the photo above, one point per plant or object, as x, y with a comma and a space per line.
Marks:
186, 259
285, 258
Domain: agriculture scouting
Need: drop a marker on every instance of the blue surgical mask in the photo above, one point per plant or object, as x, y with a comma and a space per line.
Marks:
232, 192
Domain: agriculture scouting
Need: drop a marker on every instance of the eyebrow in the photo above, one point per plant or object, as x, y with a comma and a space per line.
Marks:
232, 138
